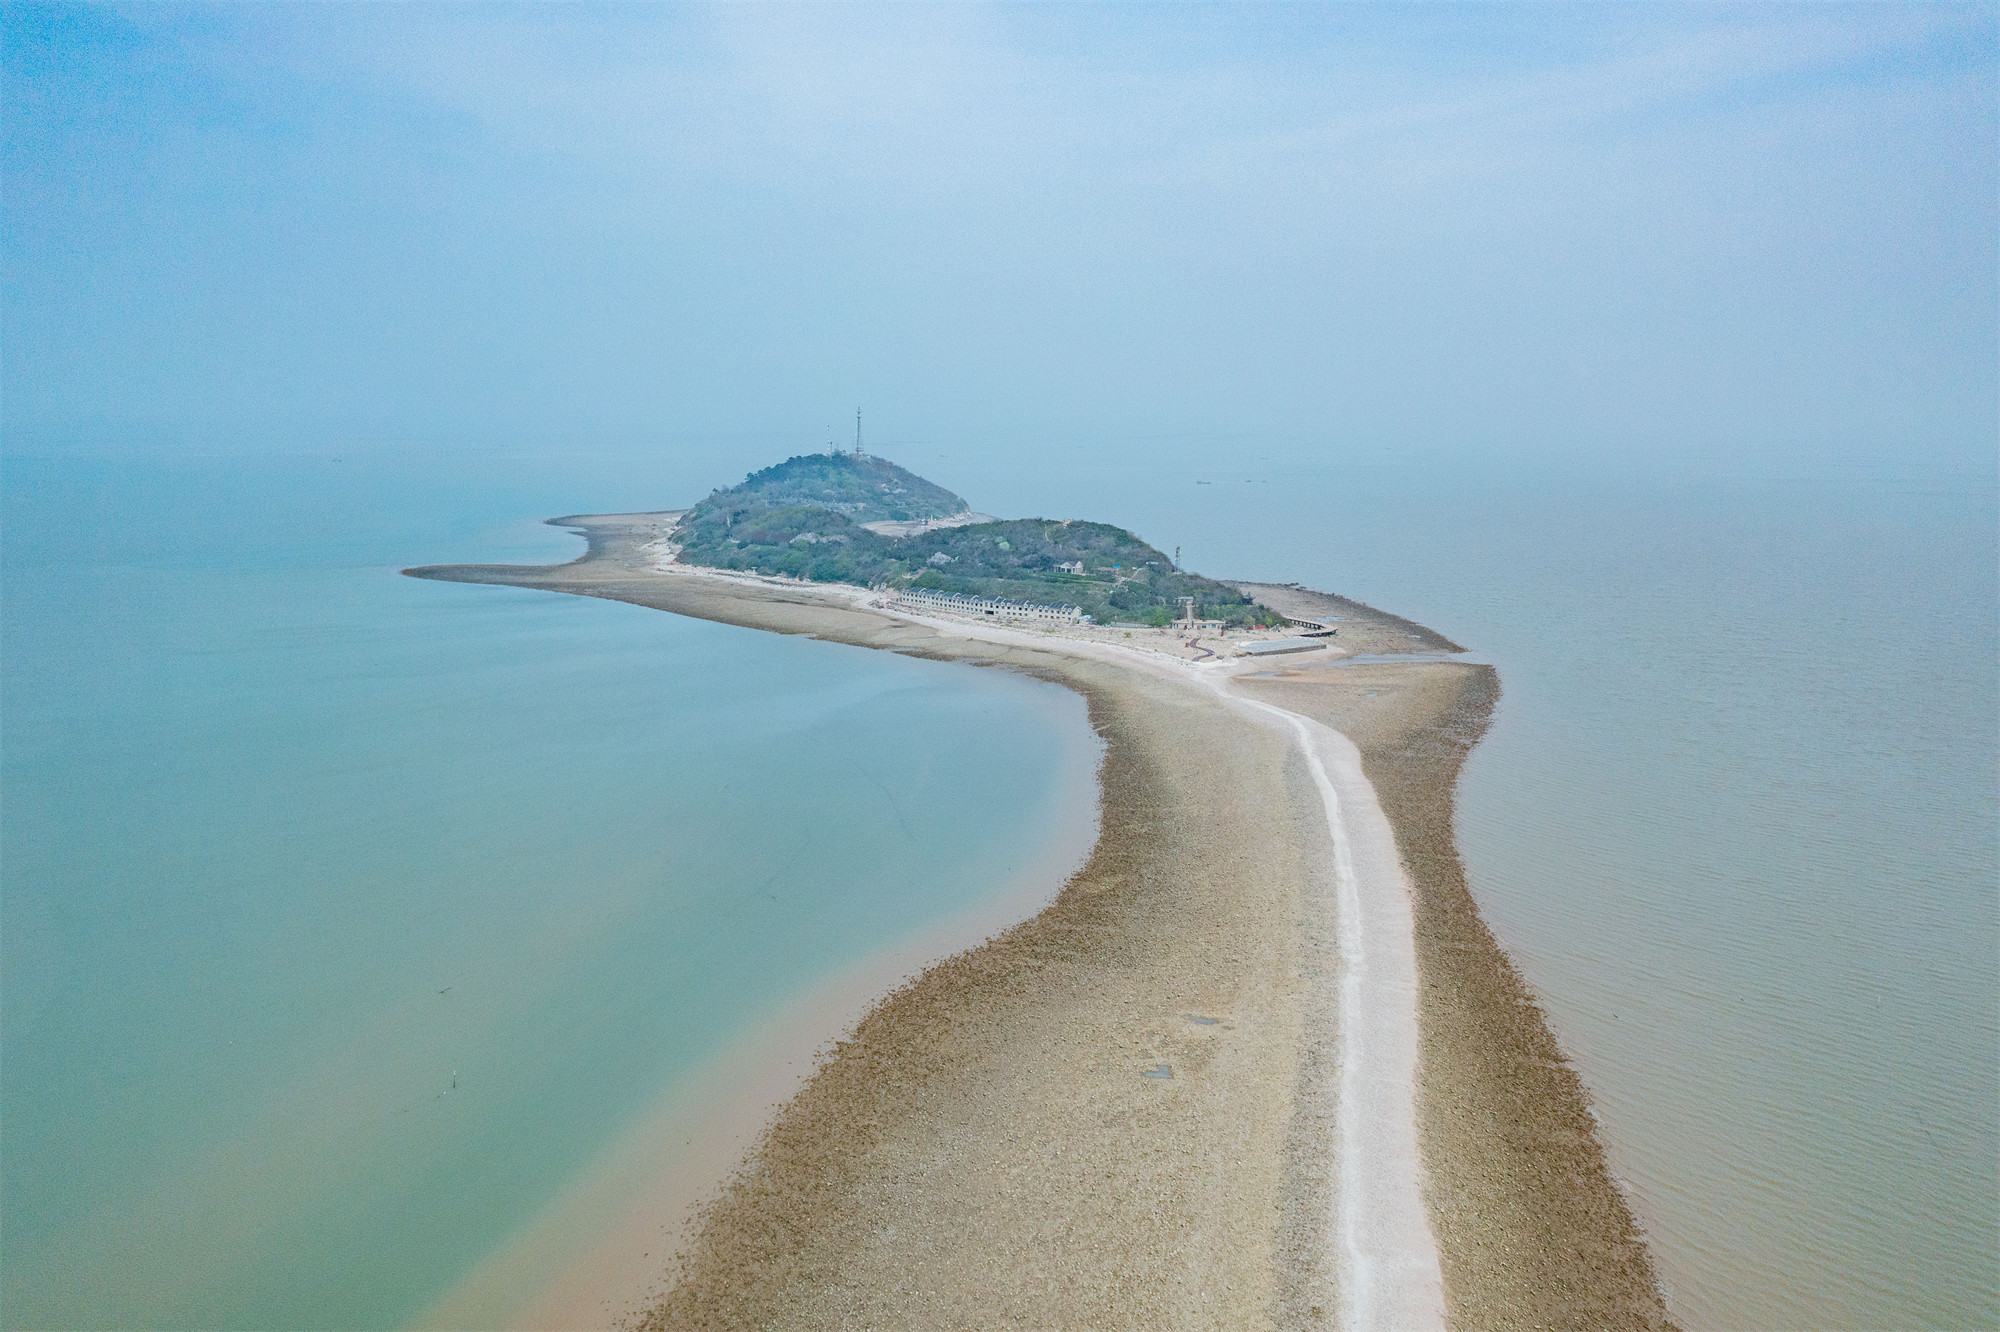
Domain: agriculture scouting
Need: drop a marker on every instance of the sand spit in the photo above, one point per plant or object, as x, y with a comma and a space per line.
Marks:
1531, 1230
1391, 1276
1359, 626
1124, 1111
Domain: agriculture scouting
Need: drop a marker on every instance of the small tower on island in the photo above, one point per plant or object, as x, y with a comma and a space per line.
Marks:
857, 432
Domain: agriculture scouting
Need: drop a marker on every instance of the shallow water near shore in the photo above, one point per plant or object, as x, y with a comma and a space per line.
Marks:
349, 918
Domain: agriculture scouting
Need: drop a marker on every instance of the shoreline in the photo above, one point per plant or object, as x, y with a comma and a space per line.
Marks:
594, 1256
1210, 1195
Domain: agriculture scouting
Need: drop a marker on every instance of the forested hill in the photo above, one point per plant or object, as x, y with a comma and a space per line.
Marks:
1110, 573
868, 490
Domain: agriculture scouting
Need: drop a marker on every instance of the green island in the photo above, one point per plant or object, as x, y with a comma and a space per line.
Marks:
854, 518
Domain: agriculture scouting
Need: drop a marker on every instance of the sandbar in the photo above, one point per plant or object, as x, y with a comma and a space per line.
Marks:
1162, 1101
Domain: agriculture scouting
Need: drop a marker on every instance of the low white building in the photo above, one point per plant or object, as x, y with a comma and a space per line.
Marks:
927, 602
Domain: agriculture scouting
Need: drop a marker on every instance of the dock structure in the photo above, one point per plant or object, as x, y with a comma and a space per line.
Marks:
951, 603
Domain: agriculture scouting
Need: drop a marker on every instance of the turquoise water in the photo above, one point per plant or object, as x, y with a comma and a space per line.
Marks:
347, 916
1738, 818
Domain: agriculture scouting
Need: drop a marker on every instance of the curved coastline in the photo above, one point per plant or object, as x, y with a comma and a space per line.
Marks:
1122, 1111
594, 1254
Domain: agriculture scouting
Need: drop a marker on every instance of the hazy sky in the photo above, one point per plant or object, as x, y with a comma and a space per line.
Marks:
1531, 230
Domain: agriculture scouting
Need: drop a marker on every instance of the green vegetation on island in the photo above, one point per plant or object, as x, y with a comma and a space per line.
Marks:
803, 518
865, 489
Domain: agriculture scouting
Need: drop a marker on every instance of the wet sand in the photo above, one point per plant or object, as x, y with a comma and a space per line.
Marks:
1122, 1112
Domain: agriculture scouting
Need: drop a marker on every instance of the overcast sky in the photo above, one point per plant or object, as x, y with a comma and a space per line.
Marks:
1491, 230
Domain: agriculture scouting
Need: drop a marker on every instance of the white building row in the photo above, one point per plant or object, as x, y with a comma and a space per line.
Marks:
951, 603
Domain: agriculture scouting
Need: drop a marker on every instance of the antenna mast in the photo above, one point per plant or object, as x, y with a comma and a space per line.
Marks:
857, 432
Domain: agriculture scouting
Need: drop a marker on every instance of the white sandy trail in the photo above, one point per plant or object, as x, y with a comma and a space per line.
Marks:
1390, 1276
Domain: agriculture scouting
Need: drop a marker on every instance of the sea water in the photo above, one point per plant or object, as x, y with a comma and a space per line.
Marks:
1737, 819
348, 917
